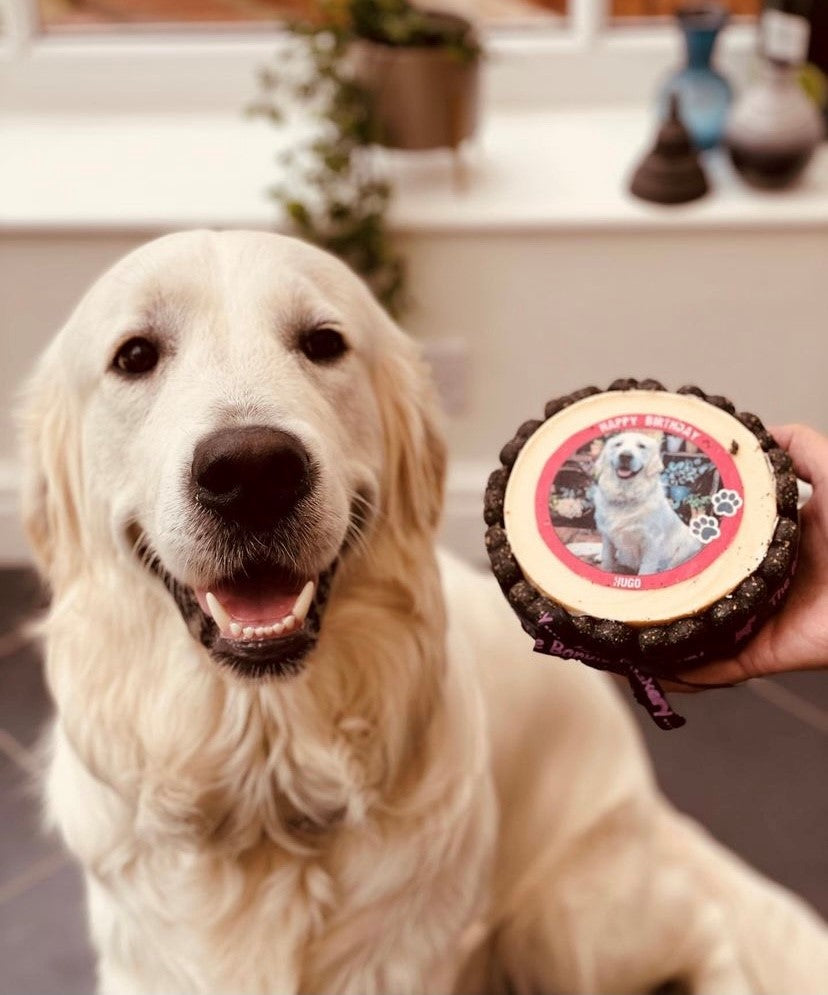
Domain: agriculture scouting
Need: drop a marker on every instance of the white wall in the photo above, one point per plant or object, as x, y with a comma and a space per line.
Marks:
741, 312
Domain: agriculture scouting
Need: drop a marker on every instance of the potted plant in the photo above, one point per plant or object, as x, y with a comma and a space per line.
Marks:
421, 69
332, 190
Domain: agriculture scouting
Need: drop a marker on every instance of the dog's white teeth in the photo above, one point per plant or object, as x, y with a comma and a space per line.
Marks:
237, 630
303, 603
220, 616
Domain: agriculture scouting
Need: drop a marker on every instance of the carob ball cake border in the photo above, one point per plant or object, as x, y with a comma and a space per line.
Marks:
722, 628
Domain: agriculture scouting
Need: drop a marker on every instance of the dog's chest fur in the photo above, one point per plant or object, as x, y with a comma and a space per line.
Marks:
273, 838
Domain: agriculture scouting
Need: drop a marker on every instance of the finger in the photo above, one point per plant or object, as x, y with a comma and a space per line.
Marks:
707, 677
807, 448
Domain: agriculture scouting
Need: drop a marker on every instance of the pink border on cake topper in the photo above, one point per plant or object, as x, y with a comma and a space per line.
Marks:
729, 527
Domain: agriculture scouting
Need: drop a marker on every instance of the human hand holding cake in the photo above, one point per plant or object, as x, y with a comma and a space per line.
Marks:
797, 638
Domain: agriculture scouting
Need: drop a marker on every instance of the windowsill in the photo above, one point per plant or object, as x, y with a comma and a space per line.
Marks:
529, 171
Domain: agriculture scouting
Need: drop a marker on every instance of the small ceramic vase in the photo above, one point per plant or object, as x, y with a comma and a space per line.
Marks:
773, 129
671, 172
704, 93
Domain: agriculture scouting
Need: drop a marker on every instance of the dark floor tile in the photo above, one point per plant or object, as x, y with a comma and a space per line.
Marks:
22, 842
755, 777
43, 939
25, 705
811, 685
21, 595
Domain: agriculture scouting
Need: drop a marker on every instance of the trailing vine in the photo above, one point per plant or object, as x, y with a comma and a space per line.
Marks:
333, 192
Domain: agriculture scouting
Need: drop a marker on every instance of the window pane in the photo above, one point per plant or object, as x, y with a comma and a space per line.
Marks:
80, 14
643, 9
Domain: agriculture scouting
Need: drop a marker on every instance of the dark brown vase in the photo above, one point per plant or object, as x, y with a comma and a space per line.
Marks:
424, 97
671, 172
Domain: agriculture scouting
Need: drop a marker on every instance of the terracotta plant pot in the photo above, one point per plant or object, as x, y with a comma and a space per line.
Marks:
424, 97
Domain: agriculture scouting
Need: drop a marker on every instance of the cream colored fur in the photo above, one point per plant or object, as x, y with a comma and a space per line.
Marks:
428, 806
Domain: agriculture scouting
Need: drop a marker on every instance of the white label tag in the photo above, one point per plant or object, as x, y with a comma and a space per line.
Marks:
785, 36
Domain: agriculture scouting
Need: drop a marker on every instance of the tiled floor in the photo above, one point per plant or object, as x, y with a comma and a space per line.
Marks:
750, 765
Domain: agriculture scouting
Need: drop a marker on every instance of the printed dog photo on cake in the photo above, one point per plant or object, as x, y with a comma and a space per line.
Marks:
637, 502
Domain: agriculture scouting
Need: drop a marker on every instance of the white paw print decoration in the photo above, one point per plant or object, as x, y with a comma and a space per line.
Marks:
705, 528
726, 503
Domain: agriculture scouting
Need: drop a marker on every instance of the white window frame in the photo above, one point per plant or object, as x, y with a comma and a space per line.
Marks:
152, 71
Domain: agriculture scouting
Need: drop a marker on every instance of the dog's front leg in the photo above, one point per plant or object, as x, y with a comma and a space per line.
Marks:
608, 560
651, 562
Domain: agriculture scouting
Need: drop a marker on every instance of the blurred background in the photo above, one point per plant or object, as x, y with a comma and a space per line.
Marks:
506, 183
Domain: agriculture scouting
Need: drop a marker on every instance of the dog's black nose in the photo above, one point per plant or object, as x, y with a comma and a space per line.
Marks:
251, 476
624, 459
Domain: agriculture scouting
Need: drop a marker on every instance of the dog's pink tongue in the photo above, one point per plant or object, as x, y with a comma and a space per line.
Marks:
256, 600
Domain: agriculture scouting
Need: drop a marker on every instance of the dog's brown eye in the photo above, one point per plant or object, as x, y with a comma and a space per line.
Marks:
321, 345
137, 355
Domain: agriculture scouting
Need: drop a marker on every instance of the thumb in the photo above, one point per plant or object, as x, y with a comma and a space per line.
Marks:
808, 449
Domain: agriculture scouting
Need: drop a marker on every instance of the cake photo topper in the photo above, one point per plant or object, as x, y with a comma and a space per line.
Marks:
643, 531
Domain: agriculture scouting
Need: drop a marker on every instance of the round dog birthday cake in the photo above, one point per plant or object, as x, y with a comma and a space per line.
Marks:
642, 531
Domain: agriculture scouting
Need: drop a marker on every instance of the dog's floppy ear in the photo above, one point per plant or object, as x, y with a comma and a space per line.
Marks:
600, 463
415, 453
655, 464
51, 488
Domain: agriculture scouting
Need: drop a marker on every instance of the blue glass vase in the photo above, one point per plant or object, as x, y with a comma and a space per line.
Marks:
704, 94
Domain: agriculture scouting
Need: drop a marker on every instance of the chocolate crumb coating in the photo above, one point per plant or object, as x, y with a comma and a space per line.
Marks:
532, 608
653, 642
780, 461
555, 617
584, 626
727, 613
787, 495
555, 405
509, 453
505, 568
522, 595
616, 637
777, 563
495, 538
753, 424
559, 403
786, 531
659, 649
493, 500
528, 428
721, 402
687, 634
651, 385
751, 593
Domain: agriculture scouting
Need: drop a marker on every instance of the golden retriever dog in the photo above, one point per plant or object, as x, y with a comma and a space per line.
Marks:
293, 750
640, 531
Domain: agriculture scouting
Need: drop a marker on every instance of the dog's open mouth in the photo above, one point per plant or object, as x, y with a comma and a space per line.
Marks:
265, 606
625, 472
261, 622
264, 618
